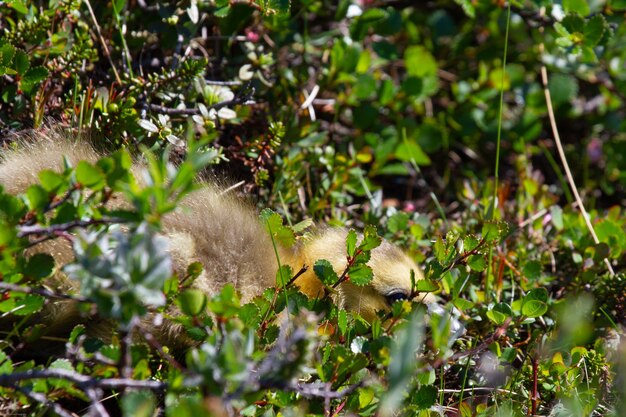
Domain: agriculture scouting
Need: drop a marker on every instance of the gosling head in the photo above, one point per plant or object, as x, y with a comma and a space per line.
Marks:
390, 265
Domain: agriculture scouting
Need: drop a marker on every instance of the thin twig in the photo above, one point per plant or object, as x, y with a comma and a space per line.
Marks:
103, 42
55, 229
42, 399
82, 381
6, 286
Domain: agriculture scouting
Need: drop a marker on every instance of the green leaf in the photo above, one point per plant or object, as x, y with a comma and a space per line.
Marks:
283, 276
33, 78
468, 7
534, 308
76, 332
578, 6
612, 234
50, 180
419, 62
561, 30
28, 305
138, 403
7, 52
573, 23
563, 88
38, 197
342, 321
499, 313
426, 285
89, 175
19, 6
532, 270
325, 272
365, 87
276, 7
618, 4
594, 30
425, 397
360, 274
556, 213
462, 304
39, 266
470, 242
492, 231
192, 301
371, 239
477, 262
411, 151
440, 250
274, 224
540, 294
6, 365
21, 63
351, 243
398, 222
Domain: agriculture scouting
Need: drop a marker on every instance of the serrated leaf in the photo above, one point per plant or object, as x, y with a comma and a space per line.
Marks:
342, 321
351, 243
283, 276
325, 272
28, 305
440, 250
477, 263
594, 30
371, 240
276, 7
360, 275
7, 52
491, 231
76, 332
33, 78
470, 242
573, 23
398, 222
425, 397
21, 63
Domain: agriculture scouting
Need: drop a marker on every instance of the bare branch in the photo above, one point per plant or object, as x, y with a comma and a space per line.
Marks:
6, 286
56, 229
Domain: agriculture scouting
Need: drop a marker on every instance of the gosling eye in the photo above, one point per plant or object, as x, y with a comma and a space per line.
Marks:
397, 295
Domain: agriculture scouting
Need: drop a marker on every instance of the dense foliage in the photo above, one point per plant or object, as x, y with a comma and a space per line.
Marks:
426, 120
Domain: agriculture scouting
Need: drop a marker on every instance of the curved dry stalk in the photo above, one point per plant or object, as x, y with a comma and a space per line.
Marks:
559, 146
